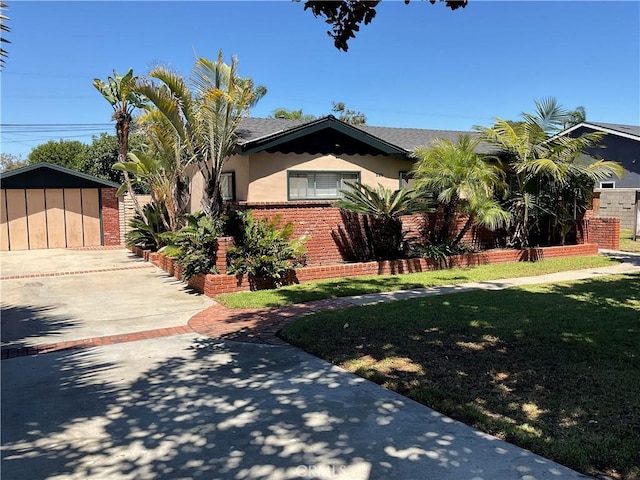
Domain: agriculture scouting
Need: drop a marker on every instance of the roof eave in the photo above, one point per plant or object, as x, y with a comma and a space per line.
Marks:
36, 166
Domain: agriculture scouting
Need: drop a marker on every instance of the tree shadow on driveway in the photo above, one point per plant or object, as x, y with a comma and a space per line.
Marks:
199, 408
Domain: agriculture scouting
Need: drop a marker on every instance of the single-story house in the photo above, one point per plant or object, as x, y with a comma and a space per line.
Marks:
49, 206
280, 160
615, 197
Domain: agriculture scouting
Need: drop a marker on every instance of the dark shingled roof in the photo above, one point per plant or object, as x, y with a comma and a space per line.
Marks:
404, 138
628, 129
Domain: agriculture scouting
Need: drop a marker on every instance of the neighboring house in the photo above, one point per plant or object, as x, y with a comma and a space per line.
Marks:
615, 197
281, 160
49, 206
621, 143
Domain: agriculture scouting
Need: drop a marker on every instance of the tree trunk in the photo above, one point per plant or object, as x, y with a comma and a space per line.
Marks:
212, 199
123, 121
463, 232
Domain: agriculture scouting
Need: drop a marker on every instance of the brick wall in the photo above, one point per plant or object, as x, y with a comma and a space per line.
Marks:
212, 285
605, 232
110, 217
333, 235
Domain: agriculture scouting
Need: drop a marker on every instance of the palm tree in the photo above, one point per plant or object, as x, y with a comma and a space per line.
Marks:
463, 182
204, 114
5, 29
543, 165
121, 94
161, 165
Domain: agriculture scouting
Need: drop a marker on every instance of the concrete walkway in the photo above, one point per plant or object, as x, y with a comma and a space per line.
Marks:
184, 405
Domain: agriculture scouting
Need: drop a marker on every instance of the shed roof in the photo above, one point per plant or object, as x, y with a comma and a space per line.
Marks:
49, 175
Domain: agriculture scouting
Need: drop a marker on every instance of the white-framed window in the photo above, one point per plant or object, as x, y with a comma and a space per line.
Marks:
228, 186
318, 185
608, 184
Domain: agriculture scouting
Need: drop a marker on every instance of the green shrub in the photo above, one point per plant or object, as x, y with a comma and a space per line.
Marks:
195, 245
440, 252
261, 250
148, 235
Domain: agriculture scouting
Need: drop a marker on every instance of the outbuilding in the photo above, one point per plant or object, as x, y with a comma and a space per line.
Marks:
49, 206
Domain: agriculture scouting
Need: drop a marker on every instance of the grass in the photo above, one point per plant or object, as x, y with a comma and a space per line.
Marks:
551, 368
344, 287
626, 241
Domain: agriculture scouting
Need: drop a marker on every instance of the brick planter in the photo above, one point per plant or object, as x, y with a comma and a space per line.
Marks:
212, 285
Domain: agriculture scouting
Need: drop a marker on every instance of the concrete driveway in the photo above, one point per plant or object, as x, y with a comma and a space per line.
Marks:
120, 294
188, 406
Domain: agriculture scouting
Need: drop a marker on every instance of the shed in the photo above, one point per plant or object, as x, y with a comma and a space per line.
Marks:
49, 206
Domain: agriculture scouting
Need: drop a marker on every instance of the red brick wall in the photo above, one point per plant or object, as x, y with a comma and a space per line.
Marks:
110, 216
324, 225
212, 285
603, 231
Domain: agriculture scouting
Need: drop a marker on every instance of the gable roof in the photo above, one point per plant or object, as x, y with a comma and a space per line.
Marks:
257, 134
627, 131
300, 130
49, 175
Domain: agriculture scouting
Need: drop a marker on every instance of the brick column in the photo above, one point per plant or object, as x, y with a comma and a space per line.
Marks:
221, 255
110, 217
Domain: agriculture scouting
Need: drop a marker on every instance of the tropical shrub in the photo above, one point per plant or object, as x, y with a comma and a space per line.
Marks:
261, 249
464, 183
147, 232
195, 245
550, 181
382, 210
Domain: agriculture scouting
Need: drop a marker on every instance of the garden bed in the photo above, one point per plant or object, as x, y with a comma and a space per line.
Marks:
212, 285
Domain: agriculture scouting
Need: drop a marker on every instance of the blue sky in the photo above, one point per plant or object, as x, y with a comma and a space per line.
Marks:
415, 65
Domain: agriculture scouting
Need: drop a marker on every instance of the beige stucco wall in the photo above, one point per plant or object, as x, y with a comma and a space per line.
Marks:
268, 171
262, 177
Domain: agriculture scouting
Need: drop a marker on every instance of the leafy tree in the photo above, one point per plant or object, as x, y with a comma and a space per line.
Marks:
10, 161
353, 117
346, 16
204, 117
102, 155
292, 115
545, 167
3, 28
120, 92
382, 209
463, 182
66, 153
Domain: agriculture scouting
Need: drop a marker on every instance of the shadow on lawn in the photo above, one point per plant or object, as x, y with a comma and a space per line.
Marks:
551, 368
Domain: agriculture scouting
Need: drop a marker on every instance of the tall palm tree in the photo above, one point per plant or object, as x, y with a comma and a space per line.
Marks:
121, 94
543, 164
161, 164
205, 113
4, 28
464, 183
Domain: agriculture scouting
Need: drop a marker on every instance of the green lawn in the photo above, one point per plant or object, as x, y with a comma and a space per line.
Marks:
553, 368
344, 287
626, 242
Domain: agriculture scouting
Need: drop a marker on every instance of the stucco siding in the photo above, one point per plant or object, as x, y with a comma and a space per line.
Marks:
268, 171
624, 150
